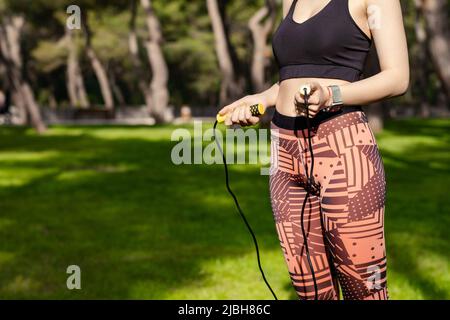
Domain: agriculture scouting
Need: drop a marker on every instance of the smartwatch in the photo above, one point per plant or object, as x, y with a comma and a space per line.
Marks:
336, 98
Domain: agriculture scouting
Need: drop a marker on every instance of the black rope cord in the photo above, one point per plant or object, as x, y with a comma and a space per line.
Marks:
309, 186
241, 213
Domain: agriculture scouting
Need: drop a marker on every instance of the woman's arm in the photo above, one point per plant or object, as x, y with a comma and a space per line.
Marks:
239, 112
389, 36
388, 33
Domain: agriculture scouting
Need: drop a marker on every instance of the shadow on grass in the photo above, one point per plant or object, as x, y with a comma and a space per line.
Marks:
122, 211
131, 219
417, 206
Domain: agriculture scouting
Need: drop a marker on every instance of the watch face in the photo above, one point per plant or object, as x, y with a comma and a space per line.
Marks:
337, 97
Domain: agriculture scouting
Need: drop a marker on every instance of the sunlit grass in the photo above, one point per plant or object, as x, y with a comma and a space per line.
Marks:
110, 200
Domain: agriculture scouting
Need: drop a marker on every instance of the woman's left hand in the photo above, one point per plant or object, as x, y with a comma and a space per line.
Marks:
319, 98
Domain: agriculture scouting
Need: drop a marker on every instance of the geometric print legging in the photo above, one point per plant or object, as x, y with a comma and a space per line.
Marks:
344, 223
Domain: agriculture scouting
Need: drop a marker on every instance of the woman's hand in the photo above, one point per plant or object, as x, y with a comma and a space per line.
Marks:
239, 111
319, 98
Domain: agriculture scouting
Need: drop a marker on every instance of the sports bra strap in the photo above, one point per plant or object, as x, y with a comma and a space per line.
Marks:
291, 8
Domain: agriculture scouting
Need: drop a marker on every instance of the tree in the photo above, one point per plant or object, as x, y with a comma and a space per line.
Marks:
10, 56
75, 83
97, 66
230, 87
133, 46
261, 30
158, 86
435, 13
421, 75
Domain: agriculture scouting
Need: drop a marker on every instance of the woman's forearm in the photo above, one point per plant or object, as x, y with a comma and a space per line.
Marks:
391, 46
239, 111
386, 84
270, 95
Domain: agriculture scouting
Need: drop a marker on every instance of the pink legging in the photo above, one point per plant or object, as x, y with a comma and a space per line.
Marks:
345, 223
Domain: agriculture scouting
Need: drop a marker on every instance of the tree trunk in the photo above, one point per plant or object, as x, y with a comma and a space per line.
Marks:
158, 85
260, 31
133, 46
435, 13
81, 90
33, 108
421, 78
22, 114
115, 87
230, 87
75, 83
99, 70
10, 55
52, 102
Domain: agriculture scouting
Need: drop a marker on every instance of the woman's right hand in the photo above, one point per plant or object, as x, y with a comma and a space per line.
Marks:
238, 112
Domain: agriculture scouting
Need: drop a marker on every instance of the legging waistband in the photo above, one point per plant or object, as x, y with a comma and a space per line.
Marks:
292, 123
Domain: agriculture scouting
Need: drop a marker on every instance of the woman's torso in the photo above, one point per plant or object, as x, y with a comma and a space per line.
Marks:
336, 45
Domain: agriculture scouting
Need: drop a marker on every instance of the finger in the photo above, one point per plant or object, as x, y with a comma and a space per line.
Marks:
313, 108
314, 99
312, 114
225, 110
235, 116
242, 118
315, 86
253, 120
228, 121
229, 108
299, 98
248, 114
302, 114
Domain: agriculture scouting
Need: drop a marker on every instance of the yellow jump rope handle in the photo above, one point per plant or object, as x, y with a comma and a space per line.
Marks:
256, 110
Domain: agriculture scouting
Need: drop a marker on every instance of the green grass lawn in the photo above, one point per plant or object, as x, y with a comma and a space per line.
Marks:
110, 200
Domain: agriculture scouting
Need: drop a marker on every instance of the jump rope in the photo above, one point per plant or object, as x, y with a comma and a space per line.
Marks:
311, 187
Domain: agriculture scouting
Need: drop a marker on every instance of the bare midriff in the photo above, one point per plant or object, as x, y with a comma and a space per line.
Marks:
289, 87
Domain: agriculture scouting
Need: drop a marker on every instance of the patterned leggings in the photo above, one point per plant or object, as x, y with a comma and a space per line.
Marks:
344, 224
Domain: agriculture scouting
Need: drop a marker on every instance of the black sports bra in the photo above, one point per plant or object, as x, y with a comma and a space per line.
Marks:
328, 45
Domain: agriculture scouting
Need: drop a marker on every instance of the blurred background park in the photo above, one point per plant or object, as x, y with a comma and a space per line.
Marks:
90, 93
